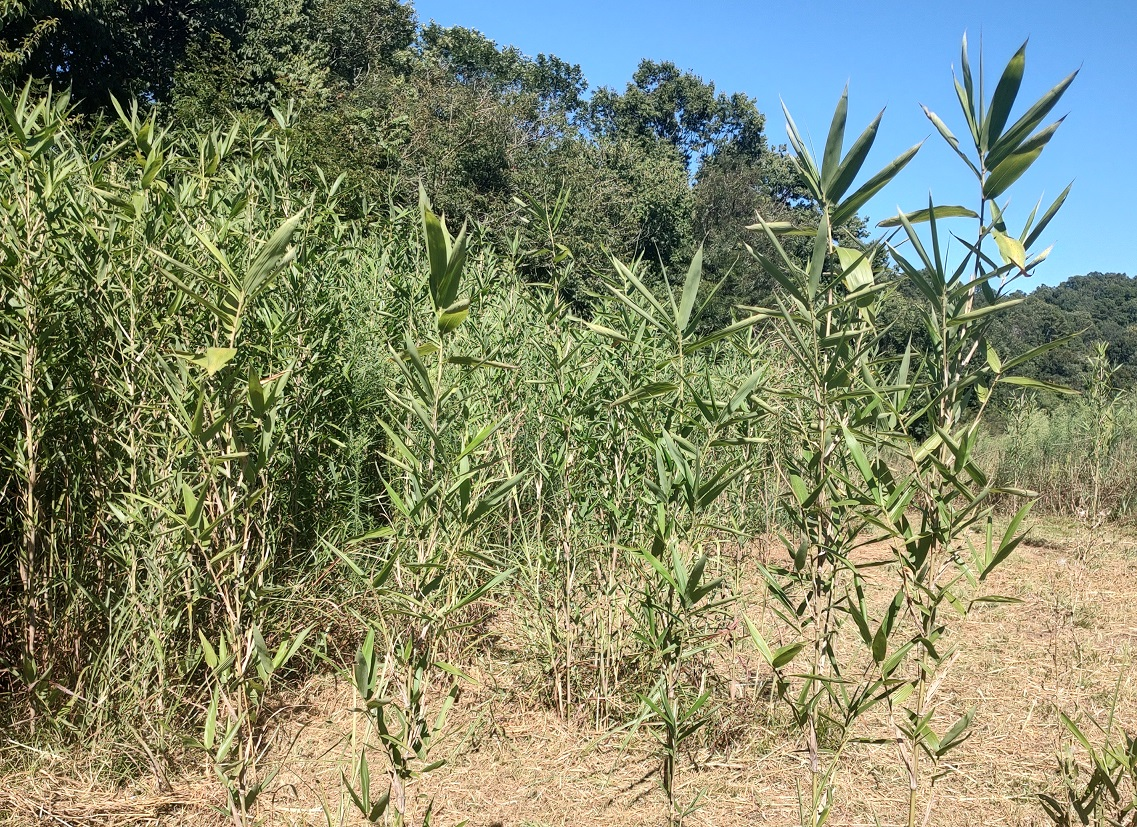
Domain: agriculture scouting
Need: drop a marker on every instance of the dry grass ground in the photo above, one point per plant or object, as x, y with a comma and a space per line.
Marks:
1067, 646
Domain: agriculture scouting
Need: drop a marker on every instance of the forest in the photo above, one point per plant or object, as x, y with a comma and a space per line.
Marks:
381, 406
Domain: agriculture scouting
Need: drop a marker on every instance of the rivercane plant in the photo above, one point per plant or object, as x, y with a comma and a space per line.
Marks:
940, 565
826, 318
1108, 796
441, 488
886, 443
230, 426
683, 420
394, 683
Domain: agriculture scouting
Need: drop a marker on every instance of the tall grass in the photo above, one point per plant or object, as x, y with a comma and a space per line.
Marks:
212, 385
165, 368
245, 434
1081, 455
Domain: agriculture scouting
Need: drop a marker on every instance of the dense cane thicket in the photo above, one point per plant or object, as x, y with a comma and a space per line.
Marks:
249, 424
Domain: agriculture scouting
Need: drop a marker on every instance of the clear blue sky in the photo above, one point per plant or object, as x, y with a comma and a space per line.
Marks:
895, 55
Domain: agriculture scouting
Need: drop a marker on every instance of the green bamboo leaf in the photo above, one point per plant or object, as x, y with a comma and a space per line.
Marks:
227, 742
831, 160
208, 653
364, 781
1005, 93
1037, 384
452, 317
993, 360
1077, 733
920, 216
1034, 353
801, 493
365, 667
1047, 217
288, 649
455, 261
215, 358
971, 105
1009, 542
696, 575
660, 569
494, 498
997, 599
478, 362
895, 659
975, 315
724, 333
759, 641
803, 160
690, 291
710, 490
859, 612
784, 654
272, 256
210, 728
658, 319
956, 735
437, 249
13, 120
860, 459
1011, 249
649, 391
880, 645
479, 438
855, 268
964, 104
1011, 168
848, 208
1014, 137
746, 387
948, 136
264, 654
854, 161
606, 332
817, 259
780, 228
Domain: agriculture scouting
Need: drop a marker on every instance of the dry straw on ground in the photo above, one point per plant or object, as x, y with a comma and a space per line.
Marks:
1067, 646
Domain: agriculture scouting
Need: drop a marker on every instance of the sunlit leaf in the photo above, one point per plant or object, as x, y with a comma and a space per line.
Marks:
215, 358
920, 216
1004, 98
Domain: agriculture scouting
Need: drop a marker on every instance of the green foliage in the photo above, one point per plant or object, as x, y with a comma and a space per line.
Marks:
1101, 307
1079, 454
394, 104
679, 108
883, 443
269, 49
1109, 795
156, 390
255, 412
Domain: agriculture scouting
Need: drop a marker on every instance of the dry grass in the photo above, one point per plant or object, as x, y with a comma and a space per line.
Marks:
1063, 647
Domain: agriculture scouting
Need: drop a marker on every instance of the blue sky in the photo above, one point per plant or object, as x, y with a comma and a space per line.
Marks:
895, 55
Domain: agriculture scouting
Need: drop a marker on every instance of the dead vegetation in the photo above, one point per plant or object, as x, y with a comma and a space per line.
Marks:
1067, 646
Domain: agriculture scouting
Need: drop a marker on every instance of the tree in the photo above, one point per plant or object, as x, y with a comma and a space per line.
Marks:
1100, 306
731, 188
682, 109
24, 25
262, 50
100, 46
360, 37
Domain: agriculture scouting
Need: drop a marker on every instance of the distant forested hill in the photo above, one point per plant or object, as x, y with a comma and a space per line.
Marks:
1104, 305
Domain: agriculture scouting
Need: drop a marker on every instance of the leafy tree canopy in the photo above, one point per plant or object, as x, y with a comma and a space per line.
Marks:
1102, 307
680, 107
